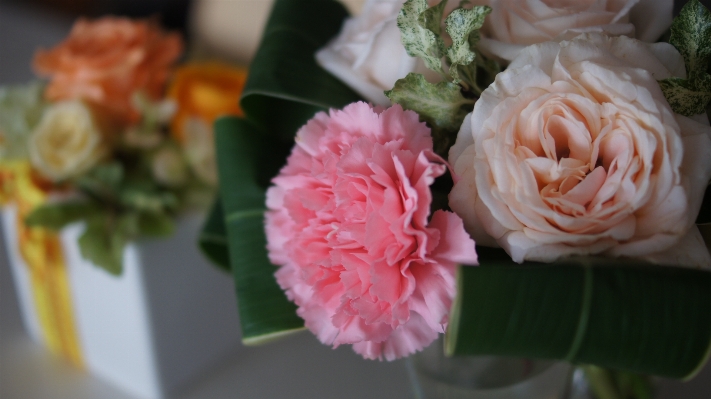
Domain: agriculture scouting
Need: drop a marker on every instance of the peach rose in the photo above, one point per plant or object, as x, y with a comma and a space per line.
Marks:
574, 150
106, 61
514, 24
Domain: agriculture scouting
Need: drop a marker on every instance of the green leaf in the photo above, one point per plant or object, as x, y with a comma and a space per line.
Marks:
213, 237
147, 201
416, 23
57, 215
103, 181
687, 97
284, 78
265, 312
691, 35
286, 86
704, 216
155, 225
628, 316
103, 244
441, 105
462, 26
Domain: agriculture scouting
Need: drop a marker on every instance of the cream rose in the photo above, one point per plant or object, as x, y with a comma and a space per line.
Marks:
574, 150
199, 149
169, 168
368, 55
514, 24
67, 141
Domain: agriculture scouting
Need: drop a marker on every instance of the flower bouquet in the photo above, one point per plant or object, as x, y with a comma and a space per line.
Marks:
568, 159
97, 163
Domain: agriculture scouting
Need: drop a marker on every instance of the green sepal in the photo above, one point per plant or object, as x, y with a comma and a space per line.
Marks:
416, 22
441, 105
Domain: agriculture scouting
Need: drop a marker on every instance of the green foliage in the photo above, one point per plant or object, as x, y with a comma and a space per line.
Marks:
444, 105
213, 237
687, 97
691, 35
119, 206
463, 27
619, 314
103, 241
265, 312
285, 77
441, 105
704, 216
21, 109
419, 27
57, 215
155, 225
613, 384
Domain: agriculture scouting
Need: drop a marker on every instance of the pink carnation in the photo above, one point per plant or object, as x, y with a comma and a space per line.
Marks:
348, 223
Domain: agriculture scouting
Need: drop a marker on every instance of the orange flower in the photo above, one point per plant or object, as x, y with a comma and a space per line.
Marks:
106, 61
205, 91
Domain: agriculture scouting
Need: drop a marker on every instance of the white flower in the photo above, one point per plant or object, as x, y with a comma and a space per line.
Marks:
574, 150
67, 141
199, 148
368, 55
514, 24
169, 168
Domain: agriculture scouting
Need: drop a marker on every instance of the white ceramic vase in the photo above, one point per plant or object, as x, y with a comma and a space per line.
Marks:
168, 317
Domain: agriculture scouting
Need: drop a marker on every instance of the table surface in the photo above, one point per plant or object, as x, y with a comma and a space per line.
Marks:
295, 367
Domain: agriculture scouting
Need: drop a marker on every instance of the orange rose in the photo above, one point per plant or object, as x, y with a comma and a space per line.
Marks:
105, 61
205, 91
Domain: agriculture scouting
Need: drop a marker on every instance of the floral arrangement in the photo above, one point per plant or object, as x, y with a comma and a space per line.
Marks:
557, 146
118, 136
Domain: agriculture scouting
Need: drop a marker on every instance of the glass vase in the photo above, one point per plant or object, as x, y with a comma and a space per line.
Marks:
435, 376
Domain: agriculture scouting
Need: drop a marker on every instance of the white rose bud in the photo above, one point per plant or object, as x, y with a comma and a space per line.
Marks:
67, 141
169, 168
368, 55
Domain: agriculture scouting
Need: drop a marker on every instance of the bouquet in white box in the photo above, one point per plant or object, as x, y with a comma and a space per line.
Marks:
117, 145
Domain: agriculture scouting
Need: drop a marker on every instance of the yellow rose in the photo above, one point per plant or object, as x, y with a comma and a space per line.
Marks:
67, 141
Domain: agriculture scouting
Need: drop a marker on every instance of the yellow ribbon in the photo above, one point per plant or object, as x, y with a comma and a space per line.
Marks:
42, 252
